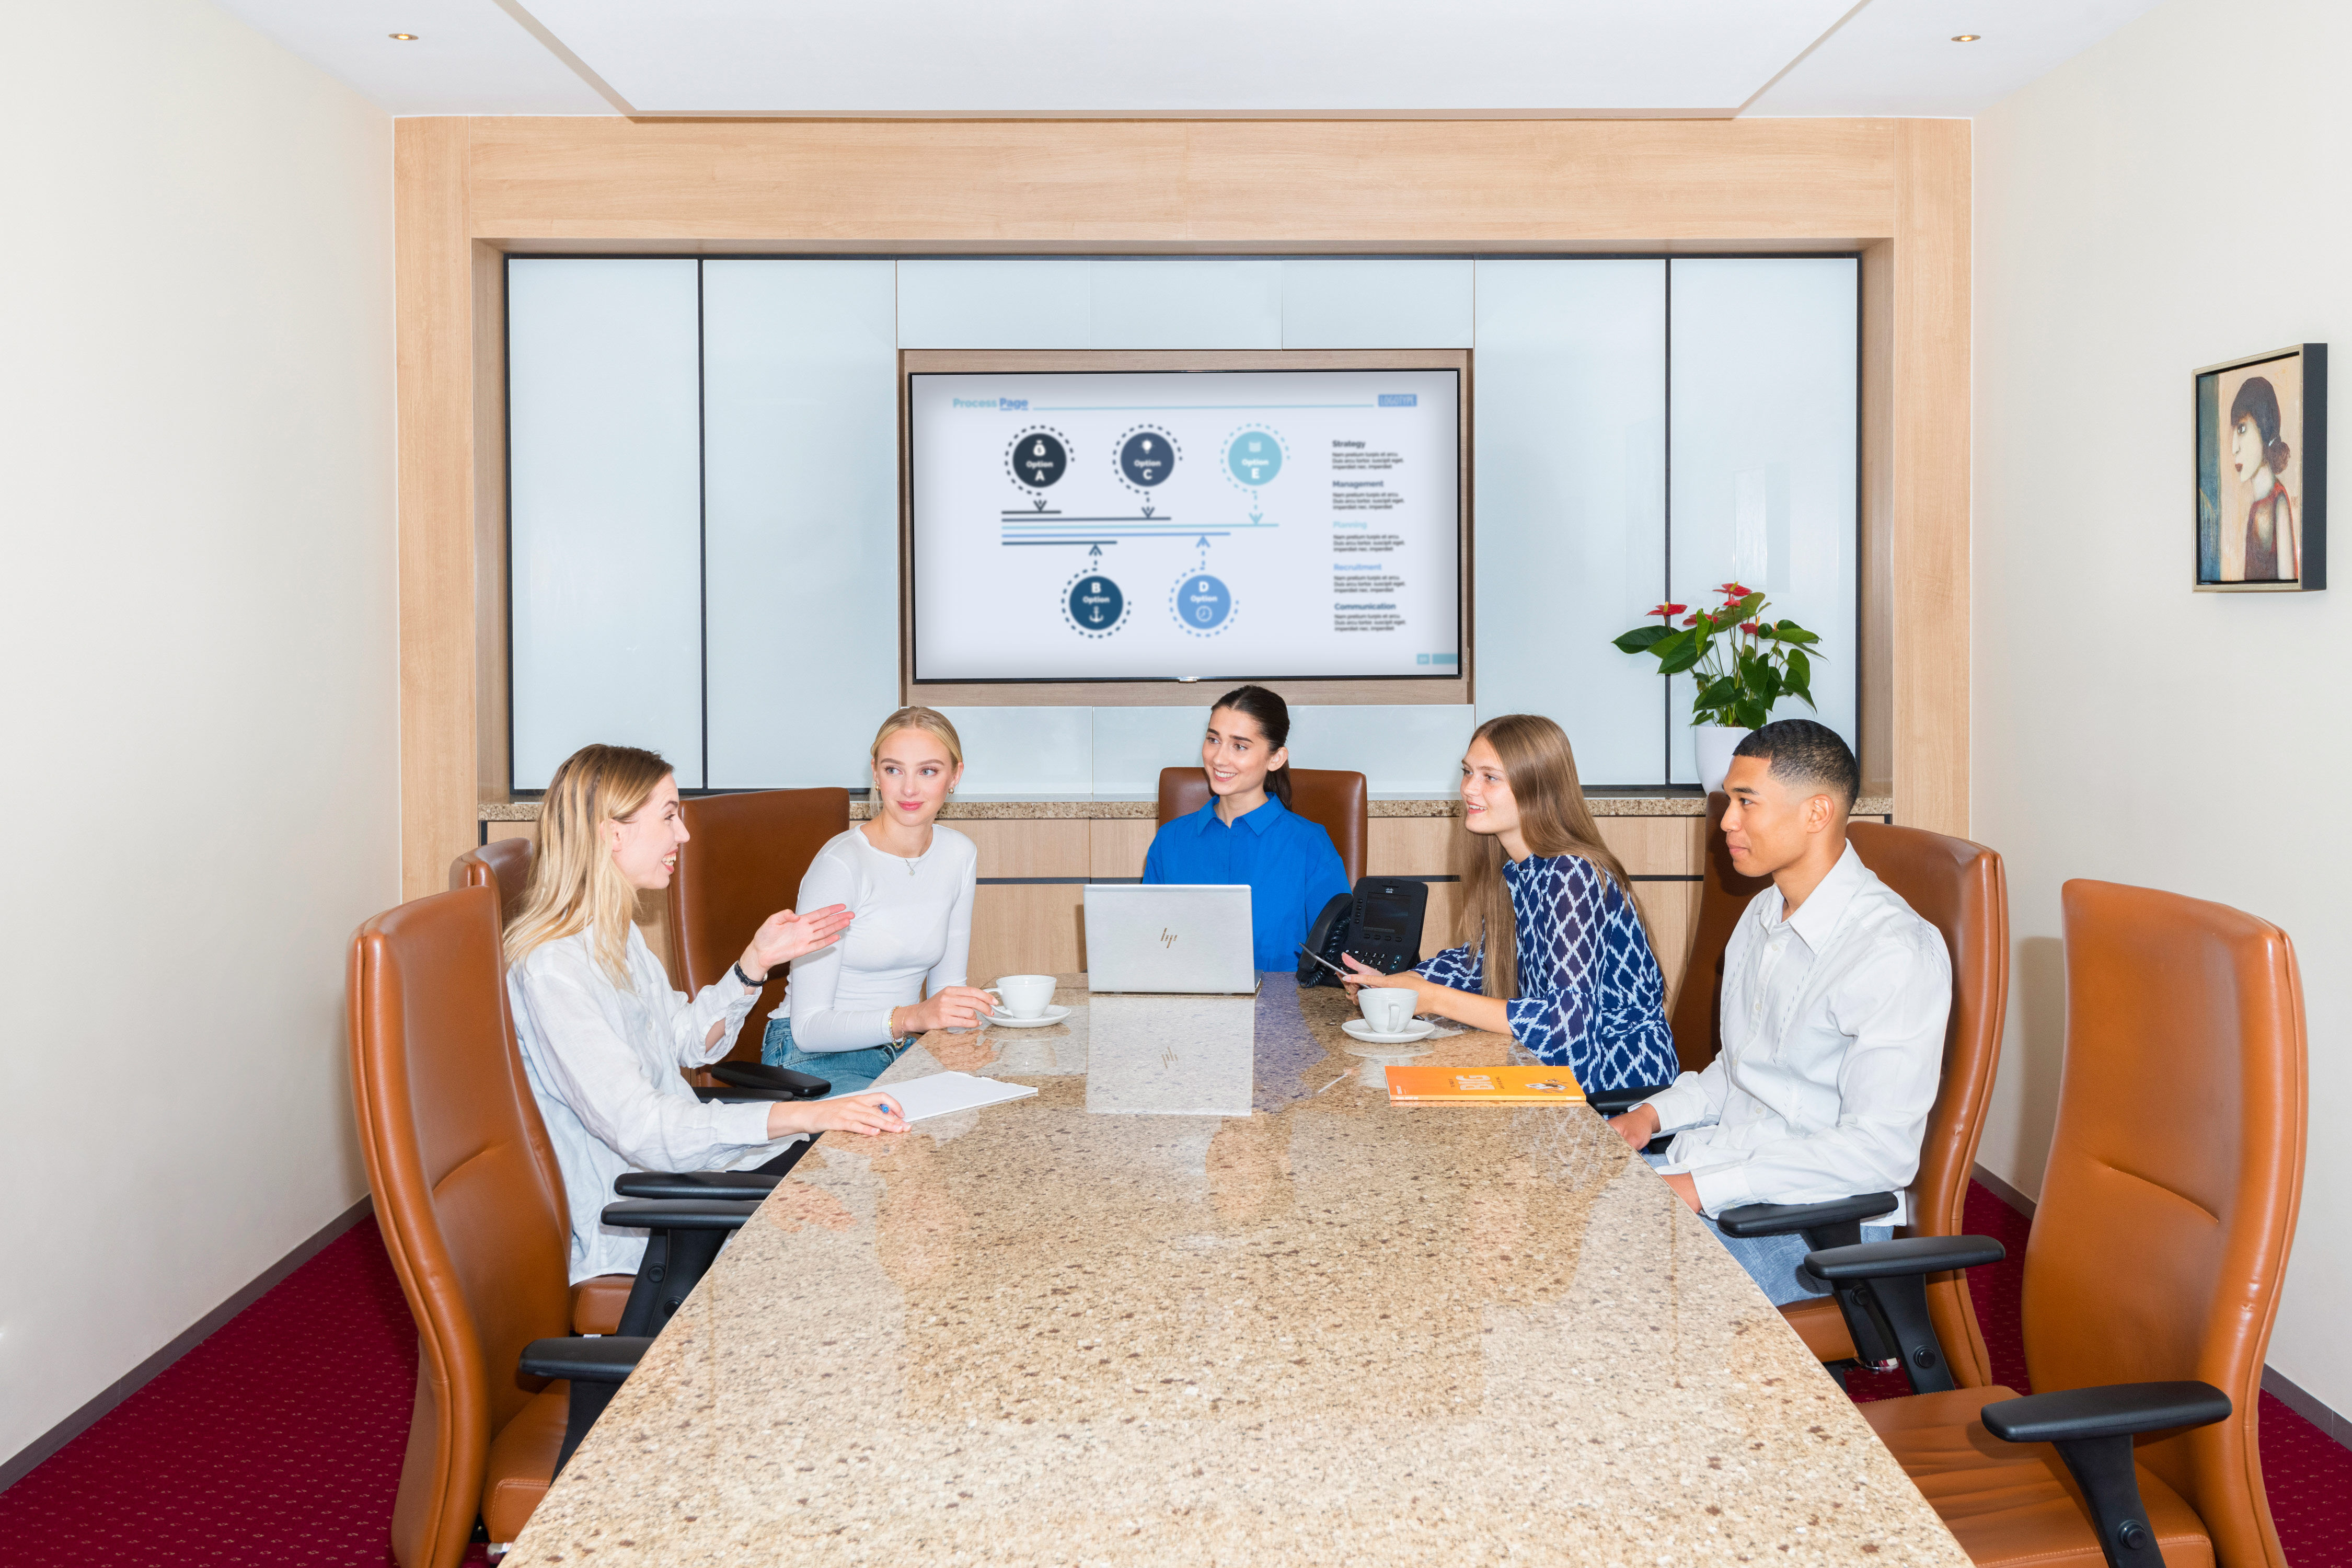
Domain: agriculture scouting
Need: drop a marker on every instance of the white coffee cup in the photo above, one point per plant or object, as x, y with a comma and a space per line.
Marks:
1387, 1008
1024, 995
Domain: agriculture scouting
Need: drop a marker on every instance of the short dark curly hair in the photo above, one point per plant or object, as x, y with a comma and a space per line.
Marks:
1807, 752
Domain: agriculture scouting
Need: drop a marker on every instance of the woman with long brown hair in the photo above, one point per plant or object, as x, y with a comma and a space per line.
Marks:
603, 1034
1554, 953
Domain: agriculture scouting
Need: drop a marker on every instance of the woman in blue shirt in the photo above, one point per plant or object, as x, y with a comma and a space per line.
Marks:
1554, 954
1247, 832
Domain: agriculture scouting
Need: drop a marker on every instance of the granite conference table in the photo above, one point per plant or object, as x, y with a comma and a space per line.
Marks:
1208, 1297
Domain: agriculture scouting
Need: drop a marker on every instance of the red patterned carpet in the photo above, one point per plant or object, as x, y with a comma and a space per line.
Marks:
278, 1439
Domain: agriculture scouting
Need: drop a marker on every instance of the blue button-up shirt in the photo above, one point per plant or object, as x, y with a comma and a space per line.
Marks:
1288, 862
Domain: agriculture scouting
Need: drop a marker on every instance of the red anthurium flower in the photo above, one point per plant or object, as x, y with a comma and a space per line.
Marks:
1668, 610
1690, 620
1751, 627
1734, 591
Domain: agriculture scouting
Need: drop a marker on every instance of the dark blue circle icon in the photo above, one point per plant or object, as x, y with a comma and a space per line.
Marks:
1096, 604
1202, 602
1147, 457
1038, 459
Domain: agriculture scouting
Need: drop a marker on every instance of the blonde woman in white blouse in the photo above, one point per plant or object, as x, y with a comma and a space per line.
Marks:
856, 1004
603, 1034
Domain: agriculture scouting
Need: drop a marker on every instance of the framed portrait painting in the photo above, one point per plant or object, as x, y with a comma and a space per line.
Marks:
2261, 472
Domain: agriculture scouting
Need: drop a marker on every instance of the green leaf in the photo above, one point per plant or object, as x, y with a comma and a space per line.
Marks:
1750, 715
1718, 693
1639, 640
1789, 631
1680, 660
1798, 678
1762, 681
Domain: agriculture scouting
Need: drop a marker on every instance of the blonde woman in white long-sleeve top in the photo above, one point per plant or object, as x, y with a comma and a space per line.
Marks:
604, 1034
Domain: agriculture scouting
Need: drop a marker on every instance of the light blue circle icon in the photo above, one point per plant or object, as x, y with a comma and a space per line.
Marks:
1096, 602
1202, 602
1255, 456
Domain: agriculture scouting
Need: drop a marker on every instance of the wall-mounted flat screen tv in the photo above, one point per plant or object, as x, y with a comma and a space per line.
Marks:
1170, 525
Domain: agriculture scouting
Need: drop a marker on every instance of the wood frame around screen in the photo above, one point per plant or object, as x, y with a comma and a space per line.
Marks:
1457, 689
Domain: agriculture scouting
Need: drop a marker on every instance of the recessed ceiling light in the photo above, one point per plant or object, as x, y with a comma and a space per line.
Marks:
403, 37
1957, 37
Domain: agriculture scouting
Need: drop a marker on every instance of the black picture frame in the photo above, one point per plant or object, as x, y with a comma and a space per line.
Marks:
2280, 400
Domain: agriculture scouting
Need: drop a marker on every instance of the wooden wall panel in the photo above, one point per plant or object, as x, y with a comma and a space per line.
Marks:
1930, 476
1030, 928
434, 284
1119, 845
1043, 847
1288, 184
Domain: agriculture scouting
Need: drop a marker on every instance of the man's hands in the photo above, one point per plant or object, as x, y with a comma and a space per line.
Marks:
867, 1113
951, 1007
784, 936
1684, 1189
1637, 1126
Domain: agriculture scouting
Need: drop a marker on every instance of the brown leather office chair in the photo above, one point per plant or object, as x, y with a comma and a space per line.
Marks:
503, 863
470, 1202
743, 860
1960, 890
1337, 801
2153, 1273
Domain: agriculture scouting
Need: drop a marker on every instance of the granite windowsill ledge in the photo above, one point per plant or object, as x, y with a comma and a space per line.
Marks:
1684, 801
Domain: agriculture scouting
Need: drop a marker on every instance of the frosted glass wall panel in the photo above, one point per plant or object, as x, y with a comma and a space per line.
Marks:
1412, 750
1376, 304
1764, 383
1189, 304
1029, 304
1025, 753
1132, 744
1571, 454
801, 518
605, 526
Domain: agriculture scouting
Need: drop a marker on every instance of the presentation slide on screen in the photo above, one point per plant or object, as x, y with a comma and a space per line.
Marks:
1145, 525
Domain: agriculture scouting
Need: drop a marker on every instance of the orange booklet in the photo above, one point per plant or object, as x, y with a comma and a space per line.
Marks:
1491, 1086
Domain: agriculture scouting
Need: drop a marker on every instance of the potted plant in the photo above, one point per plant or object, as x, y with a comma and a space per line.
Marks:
1742, 661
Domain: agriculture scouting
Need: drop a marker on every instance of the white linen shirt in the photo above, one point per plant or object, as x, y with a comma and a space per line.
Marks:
1832, 1051
910, 933
603, 1066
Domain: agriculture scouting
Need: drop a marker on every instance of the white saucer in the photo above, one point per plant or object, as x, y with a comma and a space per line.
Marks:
1359, 1029
1052, 1015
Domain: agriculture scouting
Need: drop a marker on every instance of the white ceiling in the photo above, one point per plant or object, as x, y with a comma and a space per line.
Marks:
1187, 57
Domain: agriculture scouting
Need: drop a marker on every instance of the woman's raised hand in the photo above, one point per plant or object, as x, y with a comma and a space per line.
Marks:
1362, 973
867, 1113
784, 936
950, 1007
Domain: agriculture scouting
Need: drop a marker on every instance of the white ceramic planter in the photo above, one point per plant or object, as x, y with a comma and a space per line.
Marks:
1715, 744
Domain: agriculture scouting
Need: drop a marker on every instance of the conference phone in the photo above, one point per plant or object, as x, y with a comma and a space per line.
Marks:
1378, 924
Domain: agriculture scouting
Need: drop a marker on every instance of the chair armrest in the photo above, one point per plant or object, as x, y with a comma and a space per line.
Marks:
692, 1186
2111, 1410
726, 1094
698, 1214
1618, 1101
592, 1358
1909, 1255
757, 1075
1750, 1220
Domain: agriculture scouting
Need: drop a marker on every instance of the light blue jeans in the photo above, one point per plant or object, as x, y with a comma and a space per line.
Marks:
847, 1071
1776, 1263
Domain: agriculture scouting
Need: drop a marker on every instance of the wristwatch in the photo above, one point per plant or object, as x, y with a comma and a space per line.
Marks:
754, 984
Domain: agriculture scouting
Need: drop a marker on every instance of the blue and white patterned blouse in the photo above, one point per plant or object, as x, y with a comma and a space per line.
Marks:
1590, 996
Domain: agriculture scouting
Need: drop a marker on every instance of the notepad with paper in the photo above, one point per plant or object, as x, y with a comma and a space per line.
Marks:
943, 1092
1488, 1086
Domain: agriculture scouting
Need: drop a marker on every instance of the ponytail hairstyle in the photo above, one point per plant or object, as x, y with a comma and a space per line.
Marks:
1272, 715
575, 886
1554, 820
2257, 400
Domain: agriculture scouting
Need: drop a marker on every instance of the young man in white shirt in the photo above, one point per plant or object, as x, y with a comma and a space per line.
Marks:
1835, 994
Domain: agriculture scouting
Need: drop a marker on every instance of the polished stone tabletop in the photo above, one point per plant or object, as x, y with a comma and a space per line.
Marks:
1208, 1297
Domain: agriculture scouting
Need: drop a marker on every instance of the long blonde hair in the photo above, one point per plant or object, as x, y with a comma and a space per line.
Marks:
928, 719
575, 886
1553, 819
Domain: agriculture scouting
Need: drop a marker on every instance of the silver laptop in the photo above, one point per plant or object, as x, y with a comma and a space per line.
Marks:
1169, 937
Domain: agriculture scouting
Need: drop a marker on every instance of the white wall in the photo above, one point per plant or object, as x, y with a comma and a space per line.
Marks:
196, 625
2172, 198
